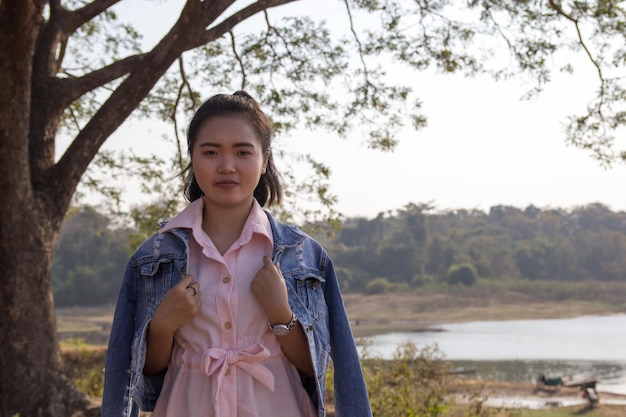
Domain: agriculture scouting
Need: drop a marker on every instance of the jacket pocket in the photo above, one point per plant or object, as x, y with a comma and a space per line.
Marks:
310, 289
156, 277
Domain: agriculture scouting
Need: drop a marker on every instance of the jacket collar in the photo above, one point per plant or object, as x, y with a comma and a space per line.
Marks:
284, 234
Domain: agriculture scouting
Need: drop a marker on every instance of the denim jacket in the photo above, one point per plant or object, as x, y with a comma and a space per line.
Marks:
314, 297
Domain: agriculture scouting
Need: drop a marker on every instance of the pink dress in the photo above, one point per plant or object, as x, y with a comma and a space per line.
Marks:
226, 362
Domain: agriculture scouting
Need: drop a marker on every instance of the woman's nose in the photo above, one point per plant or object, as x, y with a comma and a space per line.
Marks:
227, 164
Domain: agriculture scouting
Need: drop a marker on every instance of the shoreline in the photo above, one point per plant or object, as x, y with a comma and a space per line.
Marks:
520, 395
372, 315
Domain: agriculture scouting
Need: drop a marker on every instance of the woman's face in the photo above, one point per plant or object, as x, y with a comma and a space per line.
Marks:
227, 161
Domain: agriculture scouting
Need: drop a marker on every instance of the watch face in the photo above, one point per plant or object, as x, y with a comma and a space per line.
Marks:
280, 330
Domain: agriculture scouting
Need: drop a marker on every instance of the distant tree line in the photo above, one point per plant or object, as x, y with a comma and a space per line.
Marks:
416, 246
89, 259
412, 247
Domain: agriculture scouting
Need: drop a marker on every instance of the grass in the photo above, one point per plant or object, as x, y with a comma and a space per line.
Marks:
91, 325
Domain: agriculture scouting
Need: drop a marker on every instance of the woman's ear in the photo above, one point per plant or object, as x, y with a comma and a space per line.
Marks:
266, 160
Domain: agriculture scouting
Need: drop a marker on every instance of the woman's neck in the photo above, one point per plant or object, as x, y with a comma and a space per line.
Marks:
224, 224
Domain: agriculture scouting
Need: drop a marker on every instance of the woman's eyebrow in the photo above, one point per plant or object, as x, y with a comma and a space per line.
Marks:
234, 145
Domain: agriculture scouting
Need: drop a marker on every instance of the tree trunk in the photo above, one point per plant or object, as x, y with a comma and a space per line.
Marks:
32, 383
31, 372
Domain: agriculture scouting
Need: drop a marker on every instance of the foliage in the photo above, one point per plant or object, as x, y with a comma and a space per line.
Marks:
89, 259
464, 273
110, 176
84, 365
582, 244
553, 253
378, 286
416, 382
411, 385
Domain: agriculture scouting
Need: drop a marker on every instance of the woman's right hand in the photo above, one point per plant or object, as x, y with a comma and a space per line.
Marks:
179, 306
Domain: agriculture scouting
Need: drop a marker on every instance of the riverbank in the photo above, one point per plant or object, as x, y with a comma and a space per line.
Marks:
519, 395
408, 312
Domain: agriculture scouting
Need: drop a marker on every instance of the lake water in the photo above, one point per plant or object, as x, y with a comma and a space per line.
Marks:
521, 349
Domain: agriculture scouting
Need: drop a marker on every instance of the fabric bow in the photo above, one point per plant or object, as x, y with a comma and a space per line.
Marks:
219, 360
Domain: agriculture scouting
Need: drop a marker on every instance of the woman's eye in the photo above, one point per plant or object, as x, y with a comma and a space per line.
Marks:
210, 153
245, 153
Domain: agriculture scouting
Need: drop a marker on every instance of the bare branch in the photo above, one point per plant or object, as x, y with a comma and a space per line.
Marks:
358, 42
279, 35
239, 61
184, 84
582, 42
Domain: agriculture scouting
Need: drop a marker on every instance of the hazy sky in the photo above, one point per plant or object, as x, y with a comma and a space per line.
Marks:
482, 147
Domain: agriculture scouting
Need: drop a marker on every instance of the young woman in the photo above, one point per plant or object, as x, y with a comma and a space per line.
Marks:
226, 311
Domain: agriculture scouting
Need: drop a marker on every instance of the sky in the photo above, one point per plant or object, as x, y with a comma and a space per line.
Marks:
482, 147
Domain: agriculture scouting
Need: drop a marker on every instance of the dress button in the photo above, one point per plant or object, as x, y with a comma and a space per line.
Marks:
309, 328
315, 284
226, 280
227, 372
228, 325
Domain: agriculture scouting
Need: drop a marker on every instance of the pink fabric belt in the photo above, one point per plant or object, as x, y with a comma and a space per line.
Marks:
218, 360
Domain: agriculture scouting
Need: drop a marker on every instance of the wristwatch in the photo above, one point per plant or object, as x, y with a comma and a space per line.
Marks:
280, 329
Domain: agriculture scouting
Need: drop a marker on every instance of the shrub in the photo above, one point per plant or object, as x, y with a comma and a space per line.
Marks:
417, 383
378, 286
85, 365
423, 280
462, 274
412, 384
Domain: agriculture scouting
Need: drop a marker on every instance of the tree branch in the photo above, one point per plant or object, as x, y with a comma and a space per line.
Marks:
79, 17
184, 84
602, 93
238, 58
63, 23
229, 23
69, 89
359, 45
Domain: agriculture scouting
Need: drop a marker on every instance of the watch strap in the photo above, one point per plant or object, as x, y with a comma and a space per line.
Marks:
282, 329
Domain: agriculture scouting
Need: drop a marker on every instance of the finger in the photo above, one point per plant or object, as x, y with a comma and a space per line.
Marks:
186, 280
193, 288
267, 262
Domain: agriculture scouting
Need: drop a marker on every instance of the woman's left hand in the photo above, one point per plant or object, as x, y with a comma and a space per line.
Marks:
270, 290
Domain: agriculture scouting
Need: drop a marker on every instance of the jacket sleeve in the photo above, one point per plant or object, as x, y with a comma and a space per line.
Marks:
351, 397
116, 400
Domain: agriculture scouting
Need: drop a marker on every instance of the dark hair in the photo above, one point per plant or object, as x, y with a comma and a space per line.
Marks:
269, 191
